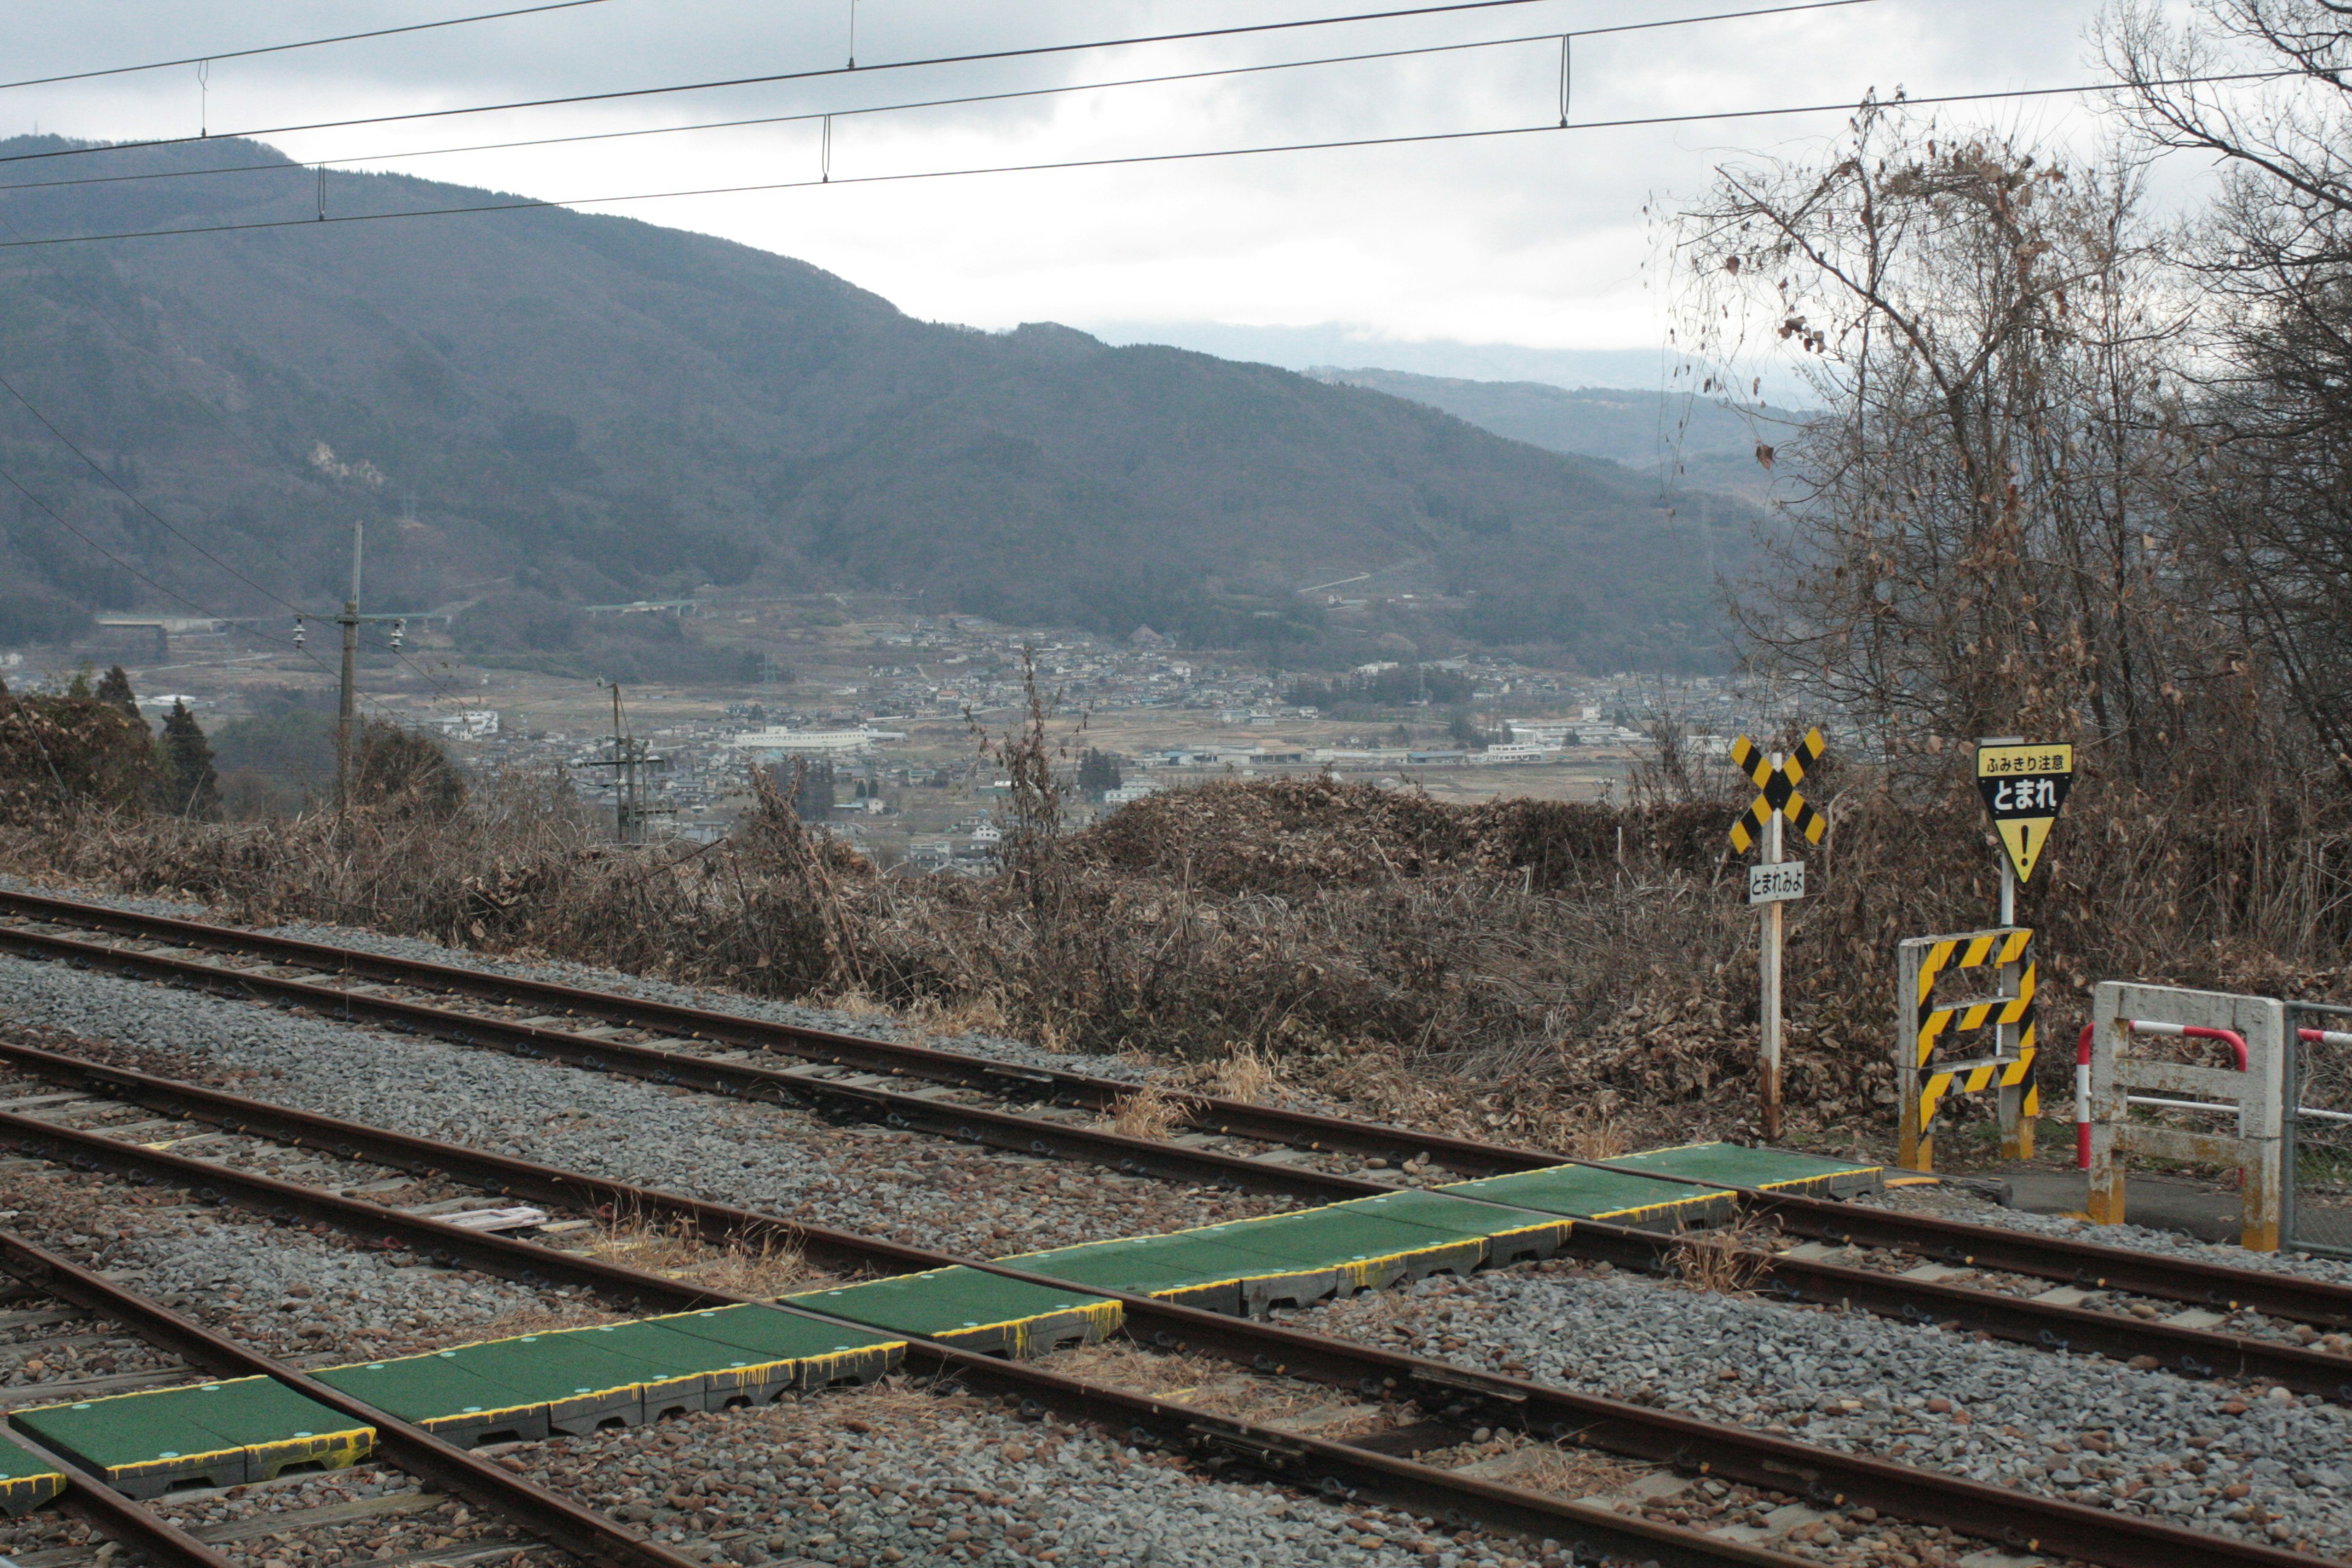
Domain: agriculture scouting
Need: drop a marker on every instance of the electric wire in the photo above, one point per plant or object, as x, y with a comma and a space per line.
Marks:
1030, 52
1124, 160
300, 44
172, 594
1010, 94
165, 523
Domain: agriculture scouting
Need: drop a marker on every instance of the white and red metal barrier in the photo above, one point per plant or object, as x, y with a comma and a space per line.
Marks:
2111, 1079
2231, 1037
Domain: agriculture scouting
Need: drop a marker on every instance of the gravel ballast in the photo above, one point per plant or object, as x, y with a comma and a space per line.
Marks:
909, 1187
895, 1476
874, 1026
283, 1290
2197, 1455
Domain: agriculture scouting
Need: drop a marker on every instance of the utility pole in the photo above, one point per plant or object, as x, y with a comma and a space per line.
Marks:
629, 761
1771, 978
630, 823
346, 703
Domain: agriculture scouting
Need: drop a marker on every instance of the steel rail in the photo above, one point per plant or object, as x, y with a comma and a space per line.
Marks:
1204, 1114
2085, 1264
146, 1533
1466, 1398
2192, 1353
1319, 1464
554, 1518
966, 1124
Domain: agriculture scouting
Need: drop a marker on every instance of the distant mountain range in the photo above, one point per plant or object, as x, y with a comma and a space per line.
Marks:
1690, 442
544, 408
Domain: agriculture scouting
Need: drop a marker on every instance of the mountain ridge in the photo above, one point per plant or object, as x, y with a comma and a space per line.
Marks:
592, 407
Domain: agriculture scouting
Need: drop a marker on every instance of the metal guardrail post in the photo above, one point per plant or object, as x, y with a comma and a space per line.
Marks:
2254, 1090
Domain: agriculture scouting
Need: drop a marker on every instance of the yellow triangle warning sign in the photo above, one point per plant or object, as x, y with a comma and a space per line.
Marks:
2024, 788
2023, 837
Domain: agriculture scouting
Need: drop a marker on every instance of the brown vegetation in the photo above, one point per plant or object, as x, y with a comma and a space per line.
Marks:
1501, 970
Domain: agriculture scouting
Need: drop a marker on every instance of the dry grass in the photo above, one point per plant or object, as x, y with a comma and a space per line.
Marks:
1149, 1112
1597, 1135
1727, 1261
1246, 1075
1201, 1381
1572, 1473
1503, 972
948, 1018
765, 1266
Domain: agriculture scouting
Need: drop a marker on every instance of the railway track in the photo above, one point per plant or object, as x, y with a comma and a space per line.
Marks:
1454, 1402
1974, 1278
1319, 1467
48, 1291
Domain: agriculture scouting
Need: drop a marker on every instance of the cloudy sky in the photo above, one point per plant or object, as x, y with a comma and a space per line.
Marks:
1525, 255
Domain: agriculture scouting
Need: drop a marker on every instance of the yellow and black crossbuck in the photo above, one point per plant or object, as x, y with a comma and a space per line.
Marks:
1780, 787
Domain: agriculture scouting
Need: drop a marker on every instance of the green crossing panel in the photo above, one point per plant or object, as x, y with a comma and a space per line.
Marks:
26, 1482
1582, 1192
575, 1380
214, 1434
441, 1396
967, 1308
1770, 1170
582, 1386
784, 1348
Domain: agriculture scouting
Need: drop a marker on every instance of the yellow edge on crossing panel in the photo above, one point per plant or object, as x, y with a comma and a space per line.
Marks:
22, 1494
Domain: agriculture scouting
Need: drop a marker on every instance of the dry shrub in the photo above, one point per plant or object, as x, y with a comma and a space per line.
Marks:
1246, 1075
1728, 1260
1503, 971
1149, 1112
71, 754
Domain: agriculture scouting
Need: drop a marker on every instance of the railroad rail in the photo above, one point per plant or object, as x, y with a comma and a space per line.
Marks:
1455, 1399
1314, 1464
717, 1052
552, 1520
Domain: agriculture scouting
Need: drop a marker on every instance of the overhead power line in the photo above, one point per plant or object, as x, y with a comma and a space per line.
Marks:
829, 180
965, 101
1452, 8
299, 44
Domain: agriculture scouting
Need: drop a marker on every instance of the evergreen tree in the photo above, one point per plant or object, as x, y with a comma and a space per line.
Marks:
114, 690
813, 793
190, 786
1098, 772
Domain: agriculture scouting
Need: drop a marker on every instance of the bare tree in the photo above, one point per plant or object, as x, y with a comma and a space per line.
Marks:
2274, 512
1979, 540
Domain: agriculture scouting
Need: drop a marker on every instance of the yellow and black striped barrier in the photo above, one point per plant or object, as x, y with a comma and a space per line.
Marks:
1922, 1027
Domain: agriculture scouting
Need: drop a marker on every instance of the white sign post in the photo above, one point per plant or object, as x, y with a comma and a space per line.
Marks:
1775, 881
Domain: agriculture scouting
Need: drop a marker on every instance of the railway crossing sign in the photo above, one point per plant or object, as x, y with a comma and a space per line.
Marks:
2024, 788
1774, 883
1778, 785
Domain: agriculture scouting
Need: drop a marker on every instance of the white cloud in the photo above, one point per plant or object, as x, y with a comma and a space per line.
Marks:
1537, 241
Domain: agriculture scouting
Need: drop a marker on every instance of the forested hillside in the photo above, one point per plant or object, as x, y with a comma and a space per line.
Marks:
589, 409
